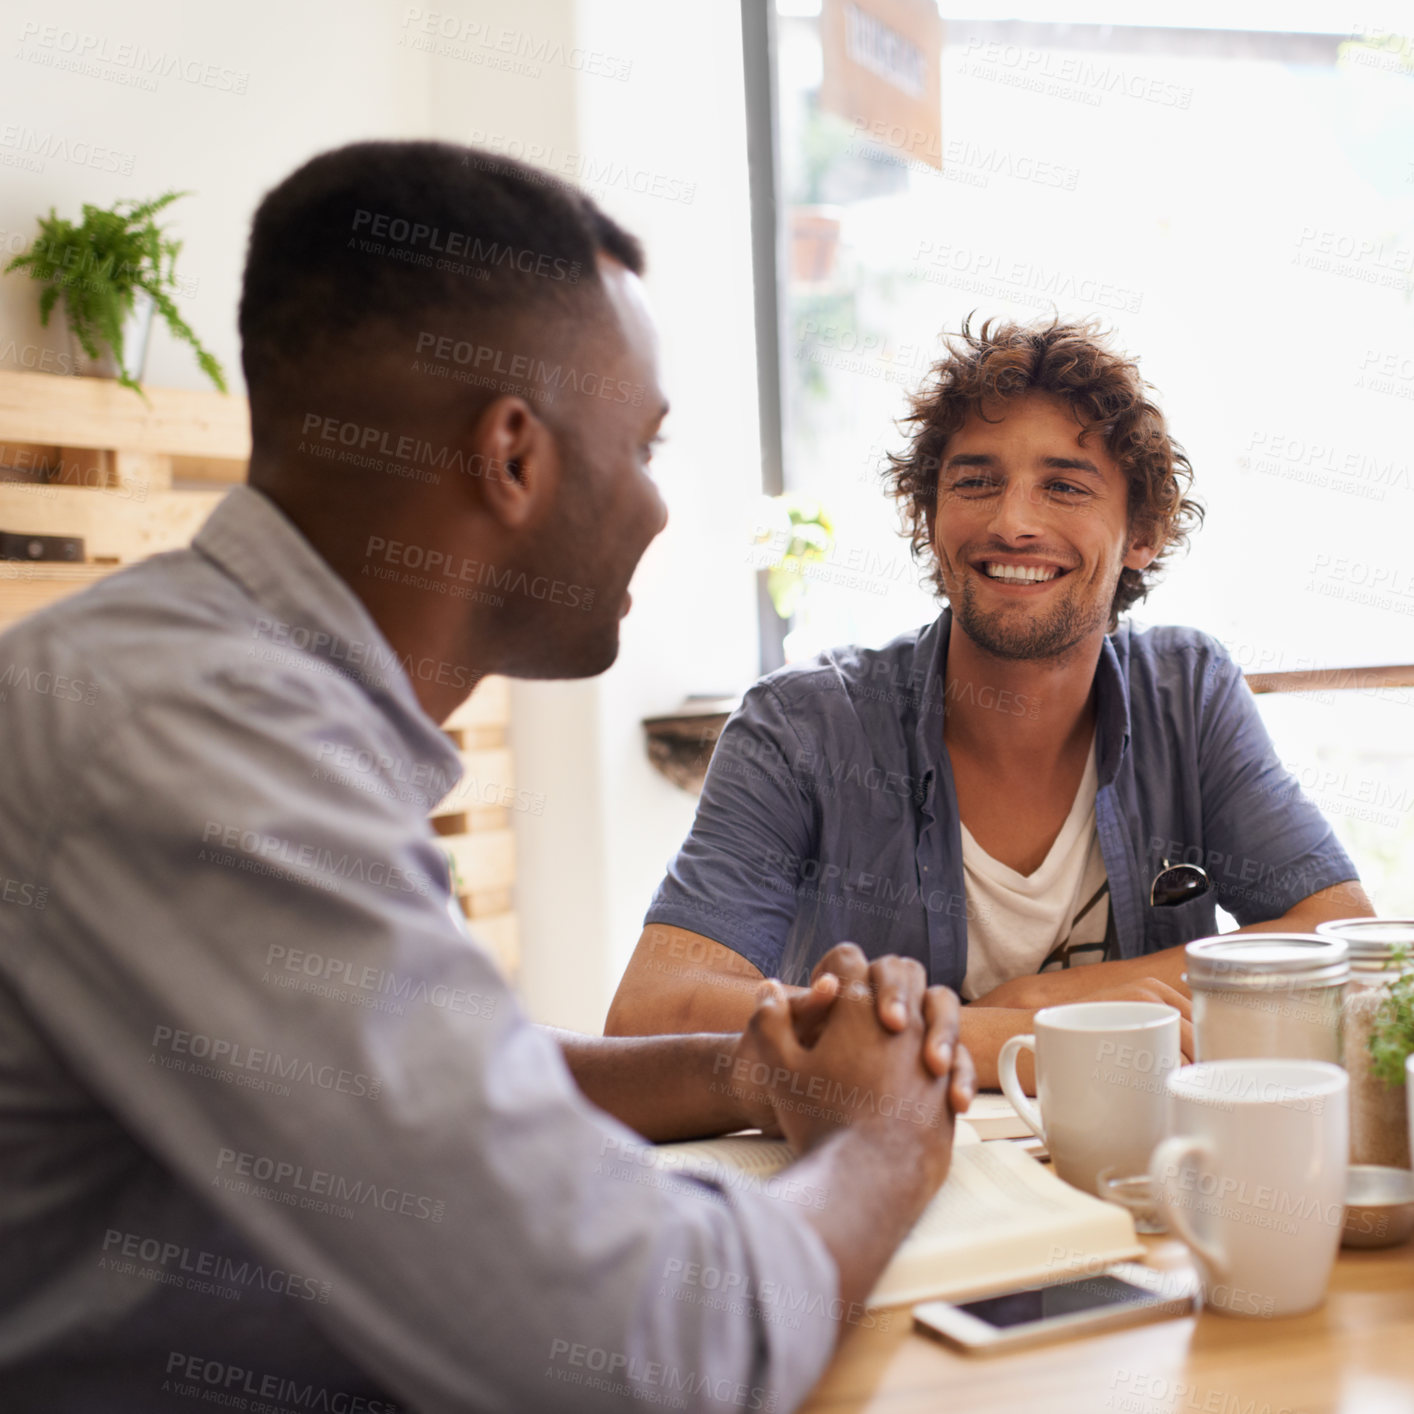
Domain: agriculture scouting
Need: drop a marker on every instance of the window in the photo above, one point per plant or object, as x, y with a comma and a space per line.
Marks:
1237, 206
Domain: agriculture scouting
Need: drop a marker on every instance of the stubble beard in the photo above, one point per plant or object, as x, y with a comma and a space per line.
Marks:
576, 636
1017, 638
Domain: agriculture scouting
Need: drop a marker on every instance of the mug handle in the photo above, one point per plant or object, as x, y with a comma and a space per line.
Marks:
1011, 1086
1168, 1160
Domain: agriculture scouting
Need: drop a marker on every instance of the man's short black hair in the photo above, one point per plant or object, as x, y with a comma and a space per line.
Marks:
402, 235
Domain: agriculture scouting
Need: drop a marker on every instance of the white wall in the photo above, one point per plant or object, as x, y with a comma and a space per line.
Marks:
642, 101
314, 75
676, 127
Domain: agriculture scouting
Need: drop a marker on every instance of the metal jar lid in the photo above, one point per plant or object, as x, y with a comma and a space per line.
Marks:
1370, 941
1256, 962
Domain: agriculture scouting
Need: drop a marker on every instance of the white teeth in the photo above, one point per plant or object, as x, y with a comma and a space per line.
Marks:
1022, 574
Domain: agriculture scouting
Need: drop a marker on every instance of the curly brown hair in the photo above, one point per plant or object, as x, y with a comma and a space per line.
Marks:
1004, 360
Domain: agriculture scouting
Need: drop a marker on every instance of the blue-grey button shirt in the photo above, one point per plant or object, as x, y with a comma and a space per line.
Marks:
829, 811
272, 1127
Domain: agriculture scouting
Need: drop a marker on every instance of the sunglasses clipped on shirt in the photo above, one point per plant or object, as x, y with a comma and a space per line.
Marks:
1178, 883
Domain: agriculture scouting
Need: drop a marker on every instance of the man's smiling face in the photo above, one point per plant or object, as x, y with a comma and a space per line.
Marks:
1031, 530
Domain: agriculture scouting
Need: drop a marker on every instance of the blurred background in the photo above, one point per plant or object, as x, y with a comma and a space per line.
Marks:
825, 187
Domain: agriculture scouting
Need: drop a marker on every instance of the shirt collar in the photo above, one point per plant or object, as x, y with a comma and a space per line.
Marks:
930, 658
305, 607
1111, 703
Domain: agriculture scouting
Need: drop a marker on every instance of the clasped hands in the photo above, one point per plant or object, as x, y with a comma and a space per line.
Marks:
868, 1043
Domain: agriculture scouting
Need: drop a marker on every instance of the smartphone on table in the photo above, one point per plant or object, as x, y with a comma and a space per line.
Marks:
1122, 1295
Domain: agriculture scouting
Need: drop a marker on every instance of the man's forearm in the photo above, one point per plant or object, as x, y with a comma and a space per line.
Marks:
1078, 984
984, 1031
665, 1087
679, 982
1347, 900
876, 1180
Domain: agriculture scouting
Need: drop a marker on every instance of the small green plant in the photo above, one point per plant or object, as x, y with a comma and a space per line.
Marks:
98, 267
1392, 1033
455, 874
800, 531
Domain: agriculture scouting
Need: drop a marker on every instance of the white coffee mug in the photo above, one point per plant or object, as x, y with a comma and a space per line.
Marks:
1253, 1179
1100, 1072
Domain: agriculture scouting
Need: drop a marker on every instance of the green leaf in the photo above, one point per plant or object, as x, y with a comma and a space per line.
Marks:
812, 537
98, 267
785, 586
1392, 1029
458, 883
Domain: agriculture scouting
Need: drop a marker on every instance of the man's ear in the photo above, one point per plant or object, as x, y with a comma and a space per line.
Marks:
1140, 554
517, 463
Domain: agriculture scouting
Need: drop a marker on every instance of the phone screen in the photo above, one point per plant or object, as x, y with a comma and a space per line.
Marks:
1043, 1303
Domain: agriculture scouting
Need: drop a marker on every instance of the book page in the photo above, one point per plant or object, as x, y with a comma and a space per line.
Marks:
1001, 1218
748, 1152
993, 1116
753, 1154
990, 1190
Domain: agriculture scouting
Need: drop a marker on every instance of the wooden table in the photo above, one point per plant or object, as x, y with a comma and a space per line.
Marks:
1354, 1355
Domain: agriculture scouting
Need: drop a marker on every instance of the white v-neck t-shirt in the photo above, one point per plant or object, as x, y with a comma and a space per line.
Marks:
1056, 917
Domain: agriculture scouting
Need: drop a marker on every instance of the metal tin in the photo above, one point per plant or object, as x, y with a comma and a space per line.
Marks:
1275, 995
1371, 942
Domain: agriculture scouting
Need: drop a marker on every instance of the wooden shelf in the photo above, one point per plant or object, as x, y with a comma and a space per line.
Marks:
76, 435
98, 462
1326, 679
474, 821
133, 478
25, 588
118, 525
194, 424
484, 861
488, 706
502, 935
681, 743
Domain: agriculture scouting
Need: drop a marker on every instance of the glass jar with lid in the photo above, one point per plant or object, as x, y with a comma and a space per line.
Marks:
1271, 995
1379, 1121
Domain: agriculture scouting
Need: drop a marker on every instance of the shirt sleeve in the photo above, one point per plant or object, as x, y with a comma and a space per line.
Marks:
248, 958
1269, 846
734, 878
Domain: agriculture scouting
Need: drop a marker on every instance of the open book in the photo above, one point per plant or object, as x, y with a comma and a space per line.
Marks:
1001, 1219
994, 1117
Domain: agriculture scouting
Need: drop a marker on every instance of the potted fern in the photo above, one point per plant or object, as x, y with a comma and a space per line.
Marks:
112, 270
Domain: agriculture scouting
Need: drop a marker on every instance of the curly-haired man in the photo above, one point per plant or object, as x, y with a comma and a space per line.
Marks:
1036, 801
